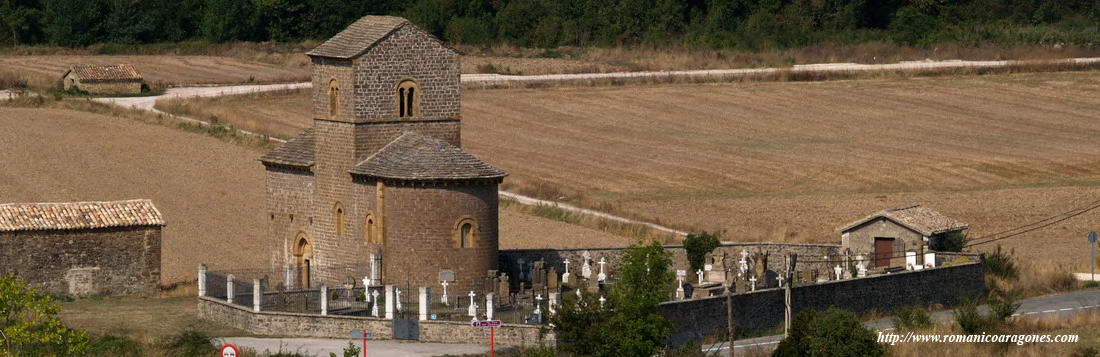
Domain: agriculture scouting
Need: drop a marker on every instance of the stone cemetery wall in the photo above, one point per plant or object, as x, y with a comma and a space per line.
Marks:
269, 323
125, 87
510, 261
764, 309
114, 261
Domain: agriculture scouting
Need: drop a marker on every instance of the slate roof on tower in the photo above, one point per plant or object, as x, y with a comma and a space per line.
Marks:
920, 219
297, 152
105, 73
418, 157
78, 215
360, 37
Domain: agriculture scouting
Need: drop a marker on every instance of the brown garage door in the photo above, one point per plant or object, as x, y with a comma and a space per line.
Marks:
884, 249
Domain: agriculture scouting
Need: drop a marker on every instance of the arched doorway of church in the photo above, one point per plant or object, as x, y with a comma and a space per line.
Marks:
303, 254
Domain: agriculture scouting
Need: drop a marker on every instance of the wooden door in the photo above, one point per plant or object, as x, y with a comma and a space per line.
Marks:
884, 250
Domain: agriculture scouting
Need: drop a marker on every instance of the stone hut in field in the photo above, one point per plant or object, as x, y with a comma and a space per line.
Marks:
83, 248
103, 79
379, 186
886, 235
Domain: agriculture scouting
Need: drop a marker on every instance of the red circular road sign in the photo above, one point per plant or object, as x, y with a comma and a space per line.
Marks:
230, 351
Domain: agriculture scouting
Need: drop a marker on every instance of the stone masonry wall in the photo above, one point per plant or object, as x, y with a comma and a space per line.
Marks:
111, 87
421, 232
408, 53
334, 155
861, 239
289, 200
764, 309
509, 259
324, 71
330, 326
115, 261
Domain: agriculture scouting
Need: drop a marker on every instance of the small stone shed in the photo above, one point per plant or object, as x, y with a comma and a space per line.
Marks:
888, 234
83, 248
103, 79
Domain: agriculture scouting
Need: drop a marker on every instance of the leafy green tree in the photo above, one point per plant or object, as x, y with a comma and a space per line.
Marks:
628, 324
20, 20
73, 22
948, 242
914, 27
698, 246
225, 20
832, 332
29, 324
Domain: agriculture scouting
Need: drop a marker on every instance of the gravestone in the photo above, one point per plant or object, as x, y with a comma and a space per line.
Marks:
538, 275
586, 269
504, 290
552, 280
592, 285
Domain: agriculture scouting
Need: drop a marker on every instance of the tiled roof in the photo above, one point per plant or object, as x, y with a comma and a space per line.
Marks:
110, 72
358, 37
298, 152
414, 156
78, 215
921, 219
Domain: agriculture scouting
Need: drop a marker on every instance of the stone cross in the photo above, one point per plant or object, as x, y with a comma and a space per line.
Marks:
838, 271
472, 310
602, 277
700, 274
602, 300
538, 304
565, 275
780, 279
374, 307
444, 299
752, 280
743, 264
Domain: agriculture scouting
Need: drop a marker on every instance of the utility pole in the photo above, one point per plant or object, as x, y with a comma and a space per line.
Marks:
729, 312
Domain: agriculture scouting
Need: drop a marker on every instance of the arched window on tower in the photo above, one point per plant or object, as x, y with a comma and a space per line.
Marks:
338, 218
333, 99
370, 231
408, 99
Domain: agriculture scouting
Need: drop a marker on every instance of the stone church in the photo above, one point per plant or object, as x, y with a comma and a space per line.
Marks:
379, 186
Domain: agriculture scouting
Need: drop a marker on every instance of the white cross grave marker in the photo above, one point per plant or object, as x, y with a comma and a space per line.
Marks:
366, 288
602, 300
444, 299
397, 298
565, 276
752, 280
602, 277
838, 271
538, 304
586, 269
680, 274
780, 278
472, 310
700, 274
374, 308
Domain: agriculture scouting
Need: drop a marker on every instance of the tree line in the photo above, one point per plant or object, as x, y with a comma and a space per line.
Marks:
742, 24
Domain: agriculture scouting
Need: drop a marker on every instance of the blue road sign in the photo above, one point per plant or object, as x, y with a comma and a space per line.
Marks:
1092, 237
359, 334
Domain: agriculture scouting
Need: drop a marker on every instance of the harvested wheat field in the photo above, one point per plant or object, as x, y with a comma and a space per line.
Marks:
794, 161
210, 191
44, 71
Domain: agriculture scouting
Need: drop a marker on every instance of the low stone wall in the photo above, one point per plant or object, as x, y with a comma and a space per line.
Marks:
121, 87
509, 259
764, 309
330, 326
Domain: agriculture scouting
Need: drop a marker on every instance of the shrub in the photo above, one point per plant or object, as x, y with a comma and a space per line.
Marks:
110, 345
29, 325
912, 318
832, 332
948, 242
190, 343
1091, 284
1086, 351
350, 351
968, 318
1000, 264
698, 246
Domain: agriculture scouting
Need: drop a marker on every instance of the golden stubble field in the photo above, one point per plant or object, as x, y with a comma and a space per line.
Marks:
210, 191
42, 71
794, 161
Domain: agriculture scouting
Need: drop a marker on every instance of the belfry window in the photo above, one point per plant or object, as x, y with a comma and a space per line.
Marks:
408, 100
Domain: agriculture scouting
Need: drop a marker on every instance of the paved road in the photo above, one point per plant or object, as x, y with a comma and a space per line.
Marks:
322, 347
1060, 305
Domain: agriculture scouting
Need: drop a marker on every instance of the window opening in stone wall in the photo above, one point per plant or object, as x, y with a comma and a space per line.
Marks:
407, 99
466, 231
333, 98
369, 231
338, 213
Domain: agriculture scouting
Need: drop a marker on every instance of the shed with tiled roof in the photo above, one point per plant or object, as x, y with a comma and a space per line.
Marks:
103, 79
888, 234
83, 248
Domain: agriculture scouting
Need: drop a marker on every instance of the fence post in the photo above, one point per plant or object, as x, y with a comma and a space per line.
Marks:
425, 303
324, 299
256, 294
202, 279
489, 305
229, 288
389, 302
